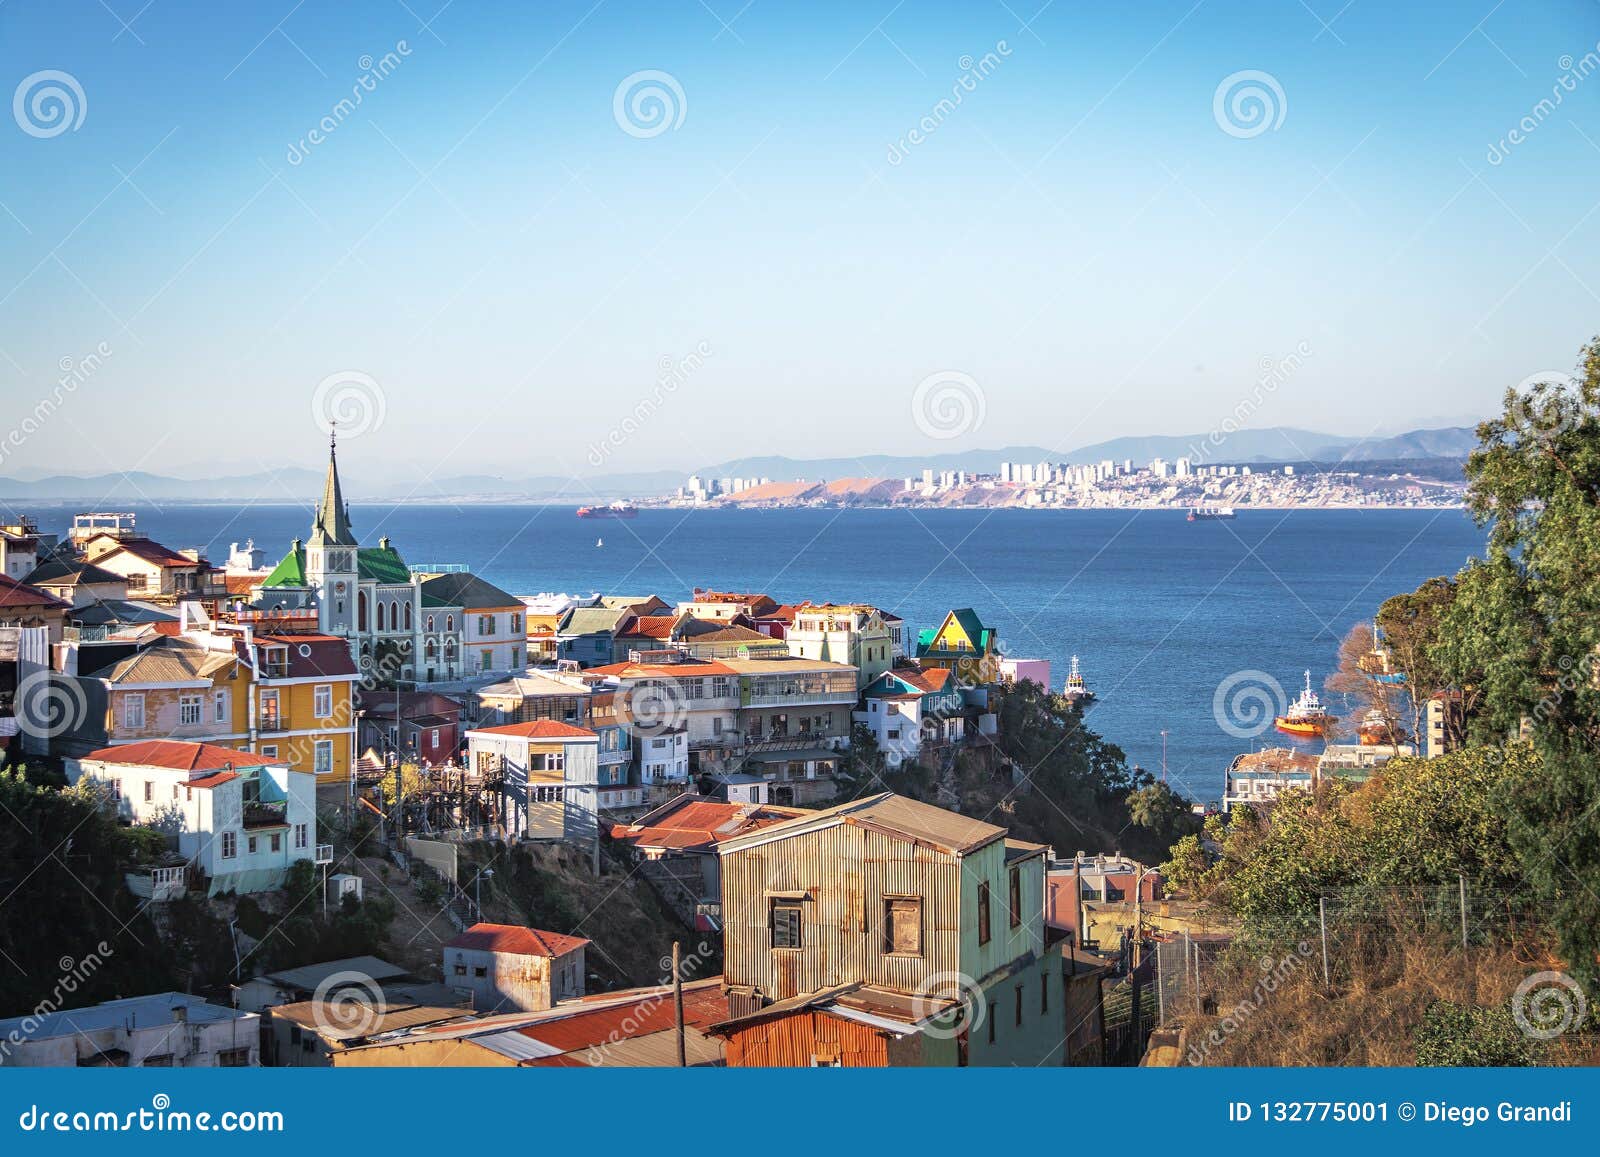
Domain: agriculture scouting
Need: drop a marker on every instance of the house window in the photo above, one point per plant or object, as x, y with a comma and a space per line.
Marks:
149, 791
516, 624
158, 1061
323, 757
133, 712
430, 623
1016, 897
300, 835
983, 913
233, 1058
219, 707
480, 971
433, 737
190, 708
994, 1015
250, 845
322, 700
269, 751
1019, 1006
785, 925
488, 660
902, 926
549, 794
277, 841
461, 970
485, 624
230, 845
1044, 992
269, 710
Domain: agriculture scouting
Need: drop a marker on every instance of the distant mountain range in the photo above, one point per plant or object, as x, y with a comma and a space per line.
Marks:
296, 484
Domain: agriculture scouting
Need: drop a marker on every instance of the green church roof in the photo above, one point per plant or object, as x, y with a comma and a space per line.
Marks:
382, 564
291, 571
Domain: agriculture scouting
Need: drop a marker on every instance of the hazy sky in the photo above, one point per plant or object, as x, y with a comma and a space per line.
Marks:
495, 254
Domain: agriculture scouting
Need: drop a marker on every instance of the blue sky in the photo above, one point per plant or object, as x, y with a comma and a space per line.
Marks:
508, 268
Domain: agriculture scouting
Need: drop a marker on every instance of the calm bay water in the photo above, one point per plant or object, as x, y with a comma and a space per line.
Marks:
1159, 610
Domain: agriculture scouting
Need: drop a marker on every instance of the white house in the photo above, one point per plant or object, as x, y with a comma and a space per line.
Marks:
507, 968
548, 775
238, 820
167, 1030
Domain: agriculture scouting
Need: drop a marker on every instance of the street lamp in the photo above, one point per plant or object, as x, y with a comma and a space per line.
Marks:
477, 889
1138, 912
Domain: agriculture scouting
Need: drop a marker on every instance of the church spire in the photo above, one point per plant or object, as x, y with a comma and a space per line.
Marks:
332, 526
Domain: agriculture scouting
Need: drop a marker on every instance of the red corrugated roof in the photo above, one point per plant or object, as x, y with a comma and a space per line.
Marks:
700, 824
213, 780
539, 729
177, 755
516, 939
653, 1012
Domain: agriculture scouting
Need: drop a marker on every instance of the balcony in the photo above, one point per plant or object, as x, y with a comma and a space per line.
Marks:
801, 696
266, 815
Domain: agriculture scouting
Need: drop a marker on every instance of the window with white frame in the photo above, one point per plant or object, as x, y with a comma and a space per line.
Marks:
300, 835
219, 707
133, 712
323, 749
190, 710
230, 845
322, 700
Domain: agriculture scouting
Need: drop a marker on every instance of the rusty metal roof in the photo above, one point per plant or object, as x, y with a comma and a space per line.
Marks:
945, 831
516, 940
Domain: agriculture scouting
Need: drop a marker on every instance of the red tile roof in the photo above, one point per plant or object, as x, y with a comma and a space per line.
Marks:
539, 729
154, 552
18, 594
177, 755
652, 1012
653, 626
516, 939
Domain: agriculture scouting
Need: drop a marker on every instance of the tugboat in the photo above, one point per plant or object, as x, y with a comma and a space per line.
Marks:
1208, 510
1076, 689
1379, 663
615, 510
1374, 730
1305, 715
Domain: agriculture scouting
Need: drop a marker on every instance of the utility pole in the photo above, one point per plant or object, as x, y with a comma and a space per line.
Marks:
677, 1002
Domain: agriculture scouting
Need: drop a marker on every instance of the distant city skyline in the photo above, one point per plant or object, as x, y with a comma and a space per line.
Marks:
508, 240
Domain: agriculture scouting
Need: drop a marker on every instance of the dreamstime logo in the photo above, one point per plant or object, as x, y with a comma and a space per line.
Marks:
74, 373
1246, 702
1248, 103
648, 103
351, 401
1543, 405
48, 705
1573, 73
944, 992
1274, 372
373, 72
74, 975
49, 103
671, 373
973, 73
1548, 1004
348, 1003
948, 404
1275, 973
653, 708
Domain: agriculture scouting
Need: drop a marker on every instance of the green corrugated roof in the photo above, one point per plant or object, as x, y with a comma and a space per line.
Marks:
291, 571
382, 564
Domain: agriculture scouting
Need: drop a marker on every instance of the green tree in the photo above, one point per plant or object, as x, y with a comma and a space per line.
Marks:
1528, 616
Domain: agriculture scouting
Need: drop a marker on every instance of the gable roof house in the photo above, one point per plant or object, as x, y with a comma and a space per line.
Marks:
151, 570
22, 605
885, 931
910, 707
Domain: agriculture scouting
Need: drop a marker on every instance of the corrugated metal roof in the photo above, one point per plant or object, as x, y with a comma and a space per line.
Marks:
513, 1044
946, 831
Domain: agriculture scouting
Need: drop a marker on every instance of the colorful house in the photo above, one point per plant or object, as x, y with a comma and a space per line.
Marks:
239, 820
886, 931
546, 775
910, 706
964, 645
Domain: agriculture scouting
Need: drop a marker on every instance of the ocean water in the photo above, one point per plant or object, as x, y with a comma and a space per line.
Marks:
1160, 611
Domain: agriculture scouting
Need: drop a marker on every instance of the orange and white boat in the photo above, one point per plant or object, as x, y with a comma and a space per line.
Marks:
1374, 730
1305, 716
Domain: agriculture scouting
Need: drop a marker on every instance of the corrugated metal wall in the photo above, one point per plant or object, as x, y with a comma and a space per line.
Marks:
847, 873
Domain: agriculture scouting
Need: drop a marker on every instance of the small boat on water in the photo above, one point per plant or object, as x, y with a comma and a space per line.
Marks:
1209, 510
1076, 689
1306, 716
1374, 730
599, 542
617, 509
1379, 663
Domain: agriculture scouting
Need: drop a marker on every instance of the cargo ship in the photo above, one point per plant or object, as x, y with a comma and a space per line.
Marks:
1305, 715
1206, 511
1077, 690
615, 510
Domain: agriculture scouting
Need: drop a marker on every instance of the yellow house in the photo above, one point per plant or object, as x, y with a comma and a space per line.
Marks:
302, 708
964, 645
287, 698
